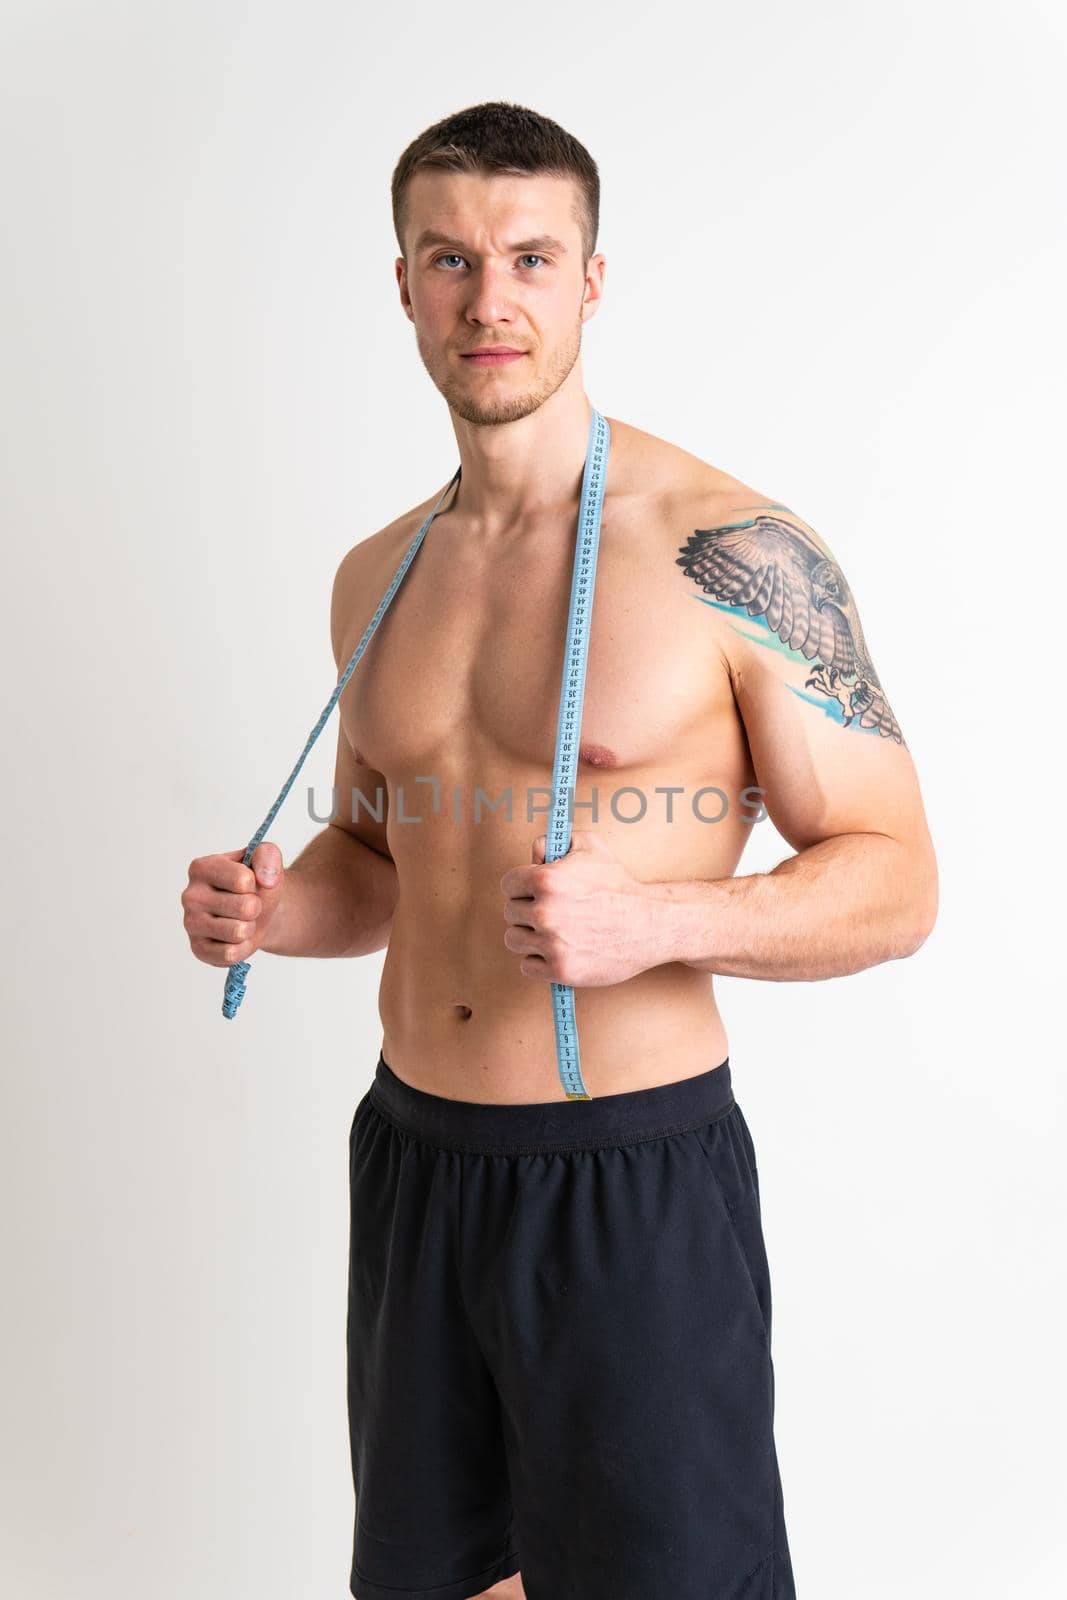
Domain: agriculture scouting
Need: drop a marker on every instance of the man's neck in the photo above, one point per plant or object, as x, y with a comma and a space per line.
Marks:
519, 472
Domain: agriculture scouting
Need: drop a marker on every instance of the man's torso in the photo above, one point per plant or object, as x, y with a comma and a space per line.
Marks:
460, 689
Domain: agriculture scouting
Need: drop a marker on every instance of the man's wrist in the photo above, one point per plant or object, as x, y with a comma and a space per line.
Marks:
692, 919
275, 942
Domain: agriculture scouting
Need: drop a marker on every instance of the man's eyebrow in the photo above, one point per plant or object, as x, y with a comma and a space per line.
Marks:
430, 237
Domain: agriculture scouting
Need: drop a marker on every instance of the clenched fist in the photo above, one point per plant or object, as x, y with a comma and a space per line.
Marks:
228, 906
584, 919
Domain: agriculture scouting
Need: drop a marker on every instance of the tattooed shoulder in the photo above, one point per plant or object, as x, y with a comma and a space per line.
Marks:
764, 562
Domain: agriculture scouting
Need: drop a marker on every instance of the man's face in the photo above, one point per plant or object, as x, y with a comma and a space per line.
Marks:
495, 262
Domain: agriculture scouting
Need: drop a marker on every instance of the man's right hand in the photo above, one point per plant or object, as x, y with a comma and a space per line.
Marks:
228, 906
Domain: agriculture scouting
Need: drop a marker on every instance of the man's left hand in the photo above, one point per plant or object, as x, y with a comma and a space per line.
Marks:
583, 920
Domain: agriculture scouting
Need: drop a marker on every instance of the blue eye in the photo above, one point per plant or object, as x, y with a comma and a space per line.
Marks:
455, 256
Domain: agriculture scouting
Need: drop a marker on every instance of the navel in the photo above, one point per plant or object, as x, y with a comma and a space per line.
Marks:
462, 1011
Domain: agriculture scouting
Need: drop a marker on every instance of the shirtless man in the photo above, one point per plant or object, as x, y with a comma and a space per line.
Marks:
559, 1313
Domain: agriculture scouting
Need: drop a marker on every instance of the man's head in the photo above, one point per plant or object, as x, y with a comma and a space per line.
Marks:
496, 211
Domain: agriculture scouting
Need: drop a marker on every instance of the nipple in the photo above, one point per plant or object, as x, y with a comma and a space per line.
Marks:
597, 755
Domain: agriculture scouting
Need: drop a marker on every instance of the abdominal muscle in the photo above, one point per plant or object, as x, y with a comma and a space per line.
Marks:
461, 1020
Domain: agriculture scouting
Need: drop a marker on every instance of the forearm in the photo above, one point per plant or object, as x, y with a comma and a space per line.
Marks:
338, 899
840, 906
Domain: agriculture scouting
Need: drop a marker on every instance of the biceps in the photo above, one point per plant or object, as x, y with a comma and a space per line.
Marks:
821, 778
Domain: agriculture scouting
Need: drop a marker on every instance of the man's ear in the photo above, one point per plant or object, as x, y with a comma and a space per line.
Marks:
400, 268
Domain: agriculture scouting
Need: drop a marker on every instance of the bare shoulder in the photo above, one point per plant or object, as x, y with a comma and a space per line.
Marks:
364, 571
772, 589
687, 499
391, 540
680, 487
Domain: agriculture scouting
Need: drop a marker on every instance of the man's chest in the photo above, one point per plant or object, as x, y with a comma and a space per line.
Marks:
469, 658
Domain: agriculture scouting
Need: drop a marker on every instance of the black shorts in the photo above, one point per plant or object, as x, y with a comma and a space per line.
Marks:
559, 1360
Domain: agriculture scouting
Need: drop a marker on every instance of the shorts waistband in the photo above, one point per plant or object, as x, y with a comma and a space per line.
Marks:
529, 1128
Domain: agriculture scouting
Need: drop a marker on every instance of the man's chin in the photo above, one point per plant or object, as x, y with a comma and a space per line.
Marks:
490, 411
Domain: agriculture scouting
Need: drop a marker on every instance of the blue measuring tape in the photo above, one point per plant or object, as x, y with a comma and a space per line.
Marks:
569, 722
568, 726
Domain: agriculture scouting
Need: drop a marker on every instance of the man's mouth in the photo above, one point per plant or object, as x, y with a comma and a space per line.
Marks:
493, 356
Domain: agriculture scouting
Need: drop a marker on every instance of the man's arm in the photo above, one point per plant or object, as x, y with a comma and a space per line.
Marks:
341, 890
840, 784
339, 895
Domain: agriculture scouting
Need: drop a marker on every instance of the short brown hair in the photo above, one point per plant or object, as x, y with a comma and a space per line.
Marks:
499, 136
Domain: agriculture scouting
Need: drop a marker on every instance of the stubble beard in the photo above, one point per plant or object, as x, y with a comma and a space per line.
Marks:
489, 410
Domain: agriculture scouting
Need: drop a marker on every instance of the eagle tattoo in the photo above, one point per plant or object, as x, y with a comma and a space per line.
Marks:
778, 573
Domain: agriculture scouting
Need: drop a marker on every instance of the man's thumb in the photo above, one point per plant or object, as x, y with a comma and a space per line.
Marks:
266, 863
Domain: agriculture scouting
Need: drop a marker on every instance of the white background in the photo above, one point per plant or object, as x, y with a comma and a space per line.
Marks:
835, 247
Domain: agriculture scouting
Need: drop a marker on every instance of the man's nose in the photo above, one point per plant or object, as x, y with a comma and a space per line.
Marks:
490, 294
